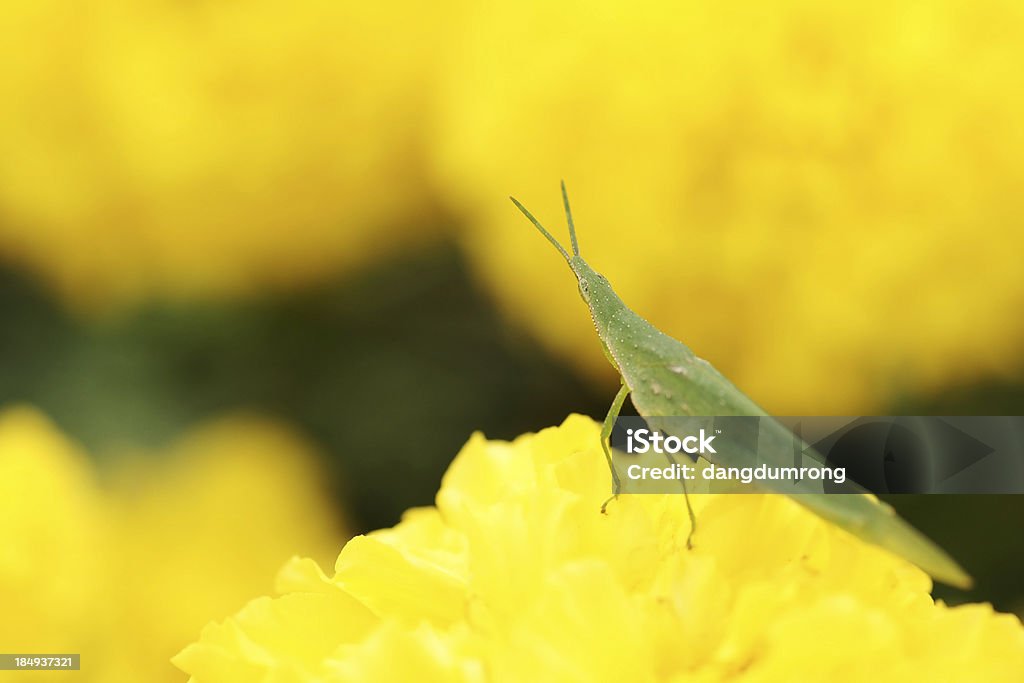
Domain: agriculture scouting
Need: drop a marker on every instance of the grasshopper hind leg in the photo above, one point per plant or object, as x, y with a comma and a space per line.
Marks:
689, 505
693, 517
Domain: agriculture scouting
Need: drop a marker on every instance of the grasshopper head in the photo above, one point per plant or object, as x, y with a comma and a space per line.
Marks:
594, 287
591, 282
595, 290
587, 277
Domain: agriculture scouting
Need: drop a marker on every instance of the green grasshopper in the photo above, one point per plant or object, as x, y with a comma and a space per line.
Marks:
666, 378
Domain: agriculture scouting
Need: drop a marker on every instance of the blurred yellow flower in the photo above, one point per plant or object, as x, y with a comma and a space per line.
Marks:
179, 150
54, 549
516, 576
127, 571
822, 199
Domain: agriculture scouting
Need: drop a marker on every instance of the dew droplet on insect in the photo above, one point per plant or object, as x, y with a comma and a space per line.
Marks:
679, 370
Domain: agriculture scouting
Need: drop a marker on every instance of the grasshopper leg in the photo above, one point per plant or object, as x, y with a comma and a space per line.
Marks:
693, 517
606, 433
689, 506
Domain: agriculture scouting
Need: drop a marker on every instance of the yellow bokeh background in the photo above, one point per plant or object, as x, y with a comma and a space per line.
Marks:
824, 200
197, 150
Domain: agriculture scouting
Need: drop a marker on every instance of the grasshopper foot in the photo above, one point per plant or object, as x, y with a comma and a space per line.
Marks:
604, 505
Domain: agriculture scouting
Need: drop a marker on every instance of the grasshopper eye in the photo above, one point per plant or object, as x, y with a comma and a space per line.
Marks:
585, 290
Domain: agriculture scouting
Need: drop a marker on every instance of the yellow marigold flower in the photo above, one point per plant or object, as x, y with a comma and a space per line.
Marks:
823, 199
125, 572
516, 576
210, 148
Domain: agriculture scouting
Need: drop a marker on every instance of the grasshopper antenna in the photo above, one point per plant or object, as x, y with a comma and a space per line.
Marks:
544, 232
568, 217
